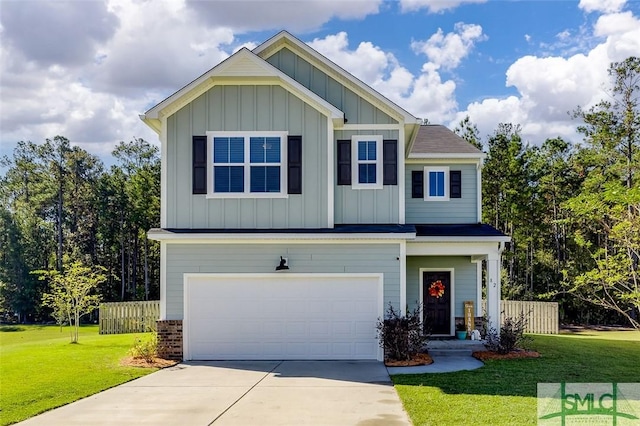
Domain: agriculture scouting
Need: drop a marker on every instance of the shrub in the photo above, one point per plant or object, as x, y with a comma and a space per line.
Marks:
146, 349
401, 337
511, 335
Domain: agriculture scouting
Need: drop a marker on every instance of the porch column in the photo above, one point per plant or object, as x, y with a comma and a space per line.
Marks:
493, 291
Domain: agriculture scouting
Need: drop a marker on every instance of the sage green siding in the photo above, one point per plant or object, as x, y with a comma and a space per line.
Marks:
464, 275
455, 210
263, 258
355, 108
365, 205
247, 108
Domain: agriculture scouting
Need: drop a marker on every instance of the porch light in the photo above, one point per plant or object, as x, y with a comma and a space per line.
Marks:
283, 264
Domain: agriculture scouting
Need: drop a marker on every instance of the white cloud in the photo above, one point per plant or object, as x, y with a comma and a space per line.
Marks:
447, 50
267, 15
46, 32
149, 51
551, 86
86, 69
425, 95
367, 62
606, 6
433, 6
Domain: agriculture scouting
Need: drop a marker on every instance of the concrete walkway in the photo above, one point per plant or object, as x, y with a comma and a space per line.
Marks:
441, 364
244, 393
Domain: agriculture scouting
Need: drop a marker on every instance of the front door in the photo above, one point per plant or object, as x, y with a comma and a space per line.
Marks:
436, 300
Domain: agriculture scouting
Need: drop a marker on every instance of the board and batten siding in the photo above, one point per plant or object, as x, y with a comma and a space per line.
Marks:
365, 205
247, 108
465, 276
455, 210
263, 258
355, 108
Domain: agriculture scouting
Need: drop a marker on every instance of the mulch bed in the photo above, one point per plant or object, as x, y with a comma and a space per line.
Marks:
139, 362
484, 355
419, 359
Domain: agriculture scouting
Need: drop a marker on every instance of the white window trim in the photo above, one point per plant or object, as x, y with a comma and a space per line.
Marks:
427, 196
354, 162
247, 164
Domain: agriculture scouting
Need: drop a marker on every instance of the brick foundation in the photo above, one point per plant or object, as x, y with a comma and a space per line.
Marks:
170, 339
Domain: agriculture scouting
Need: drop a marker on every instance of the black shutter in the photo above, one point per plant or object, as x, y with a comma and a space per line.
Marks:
455, 184
344, 162
199, 157
294, 168
417, 184
389, 162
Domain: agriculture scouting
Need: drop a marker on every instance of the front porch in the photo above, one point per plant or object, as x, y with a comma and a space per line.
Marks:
450, 265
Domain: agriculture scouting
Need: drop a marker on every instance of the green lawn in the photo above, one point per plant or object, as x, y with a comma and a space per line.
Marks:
40, 369
504, 392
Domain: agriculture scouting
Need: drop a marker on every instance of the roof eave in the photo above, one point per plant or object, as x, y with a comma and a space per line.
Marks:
461, 239
154, 123
164, 235
454, 156
152, 116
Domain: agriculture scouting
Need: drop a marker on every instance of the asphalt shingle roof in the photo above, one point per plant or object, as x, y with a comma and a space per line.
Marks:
438, 139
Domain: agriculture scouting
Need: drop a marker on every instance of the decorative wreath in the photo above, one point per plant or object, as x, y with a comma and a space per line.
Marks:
436, 289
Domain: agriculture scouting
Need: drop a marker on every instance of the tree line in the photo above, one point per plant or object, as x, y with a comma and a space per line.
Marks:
59, 204
572, 210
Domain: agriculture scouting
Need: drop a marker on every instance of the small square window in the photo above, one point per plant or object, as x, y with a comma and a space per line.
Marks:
436, 183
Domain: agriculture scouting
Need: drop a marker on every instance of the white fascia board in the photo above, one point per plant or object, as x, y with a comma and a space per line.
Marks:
443, 161
268, 238
469, 239
284, 38
447, 156
153, 123
453, 248
224, 71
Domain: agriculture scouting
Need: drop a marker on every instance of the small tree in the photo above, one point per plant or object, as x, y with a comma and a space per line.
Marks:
71, 294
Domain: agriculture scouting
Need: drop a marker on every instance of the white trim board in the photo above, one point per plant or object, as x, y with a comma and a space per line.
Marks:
258, 238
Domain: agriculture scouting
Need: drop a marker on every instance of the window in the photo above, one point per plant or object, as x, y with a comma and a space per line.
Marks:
249, 164
366, 170
436, 186
436, 183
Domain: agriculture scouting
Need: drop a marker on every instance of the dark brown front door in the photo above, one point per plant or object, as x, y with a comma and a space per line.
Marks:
436, 299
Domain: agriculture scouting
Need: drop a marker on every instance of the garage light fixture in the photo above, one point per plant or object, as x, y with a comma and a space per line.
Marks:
283, 264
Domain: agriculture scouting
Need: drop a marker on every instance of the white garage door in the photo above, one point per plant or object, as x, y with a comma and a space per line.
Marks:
281, 316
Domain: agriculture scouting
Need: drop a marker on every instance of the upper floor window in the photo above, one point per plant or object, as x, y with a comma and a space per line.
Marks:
247, 164
437, 183
367, 162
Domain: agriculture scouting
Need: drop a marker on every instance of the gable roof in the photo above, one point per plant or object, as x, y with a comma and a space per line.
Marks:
286, 39
437, 141
242, 67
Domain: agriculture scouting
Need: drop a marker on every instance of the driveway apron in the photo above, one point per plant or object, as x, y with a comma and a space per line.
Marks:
244, 393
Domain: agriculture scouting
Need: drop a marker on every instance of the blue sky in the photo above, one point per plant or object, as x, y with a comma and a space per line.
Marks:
85, 69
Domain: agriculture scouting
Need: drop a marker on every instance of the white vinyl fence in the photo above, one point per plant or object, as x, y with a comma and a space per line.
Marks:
542, 317
129, 317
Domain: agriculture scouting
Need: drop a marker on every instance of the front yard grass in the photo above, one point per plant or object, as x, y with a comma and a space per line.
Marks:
503, 392
41, 370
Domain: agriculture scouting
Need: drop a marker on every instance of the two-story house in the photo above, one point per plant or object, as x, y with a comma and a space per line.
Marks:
298, 203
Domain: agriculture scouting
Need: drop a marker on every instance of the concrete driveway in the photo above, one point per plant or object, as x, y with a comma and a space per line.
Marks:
244, 393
